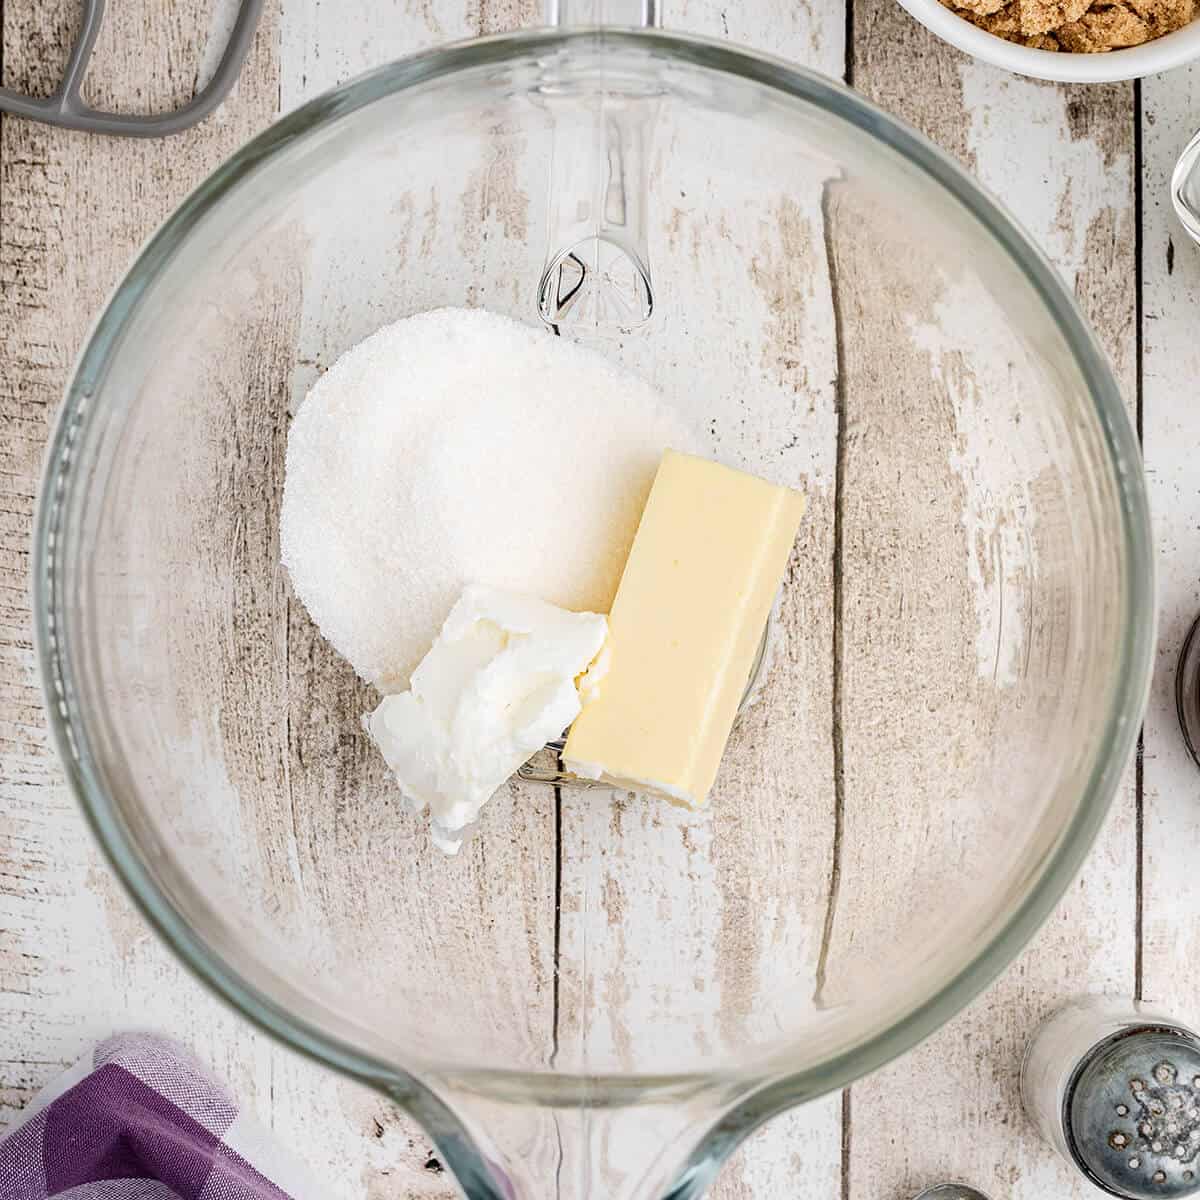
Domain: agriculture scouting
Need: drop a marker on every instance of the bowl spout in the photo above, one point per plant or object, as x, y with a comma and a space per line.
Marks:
664, 1141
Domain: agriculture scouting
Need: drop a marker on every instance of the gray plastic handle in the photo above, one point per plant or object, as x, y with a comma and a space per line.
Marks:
68, 109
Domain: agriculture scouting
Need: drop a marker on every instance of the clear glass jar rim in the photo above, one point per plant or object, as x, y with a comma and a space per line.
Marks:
783, 1082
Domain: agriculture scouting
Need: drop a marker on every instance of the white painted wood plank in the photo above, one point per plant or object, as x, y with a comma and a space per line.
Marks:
76, 961
86, 974
1061, 159
1171, 429
462, 214
742, 282
809, 32
333, 1138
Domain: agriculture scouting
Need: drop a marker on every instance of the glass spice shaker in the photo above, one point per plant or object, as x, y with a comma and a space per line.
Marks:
1185, 188
951, 1191
1114, 1086
1187, 678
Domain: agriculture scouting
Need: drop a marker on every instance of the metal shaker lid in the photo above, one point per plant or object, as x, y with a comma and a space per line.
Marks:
951, 1191
1132, 1113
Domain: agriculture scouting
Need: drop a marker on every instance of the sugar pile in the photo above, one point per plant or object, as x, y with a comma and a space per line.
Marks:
457, 447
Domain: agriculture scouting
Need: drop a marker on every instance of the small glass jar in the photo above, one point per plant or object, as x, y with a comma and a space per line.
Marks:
1185, 188
951, 1191
1114, 1086
1187, 681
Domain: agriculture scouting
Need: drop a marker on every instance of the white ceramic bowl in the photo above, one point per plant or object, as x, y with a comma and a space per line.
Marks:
1159, 55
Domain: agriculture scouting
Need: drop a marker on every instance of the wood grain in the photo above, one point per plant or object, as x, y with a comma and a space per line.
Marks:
1171, 425
1062, 159
76, 961
465, 236
732, 945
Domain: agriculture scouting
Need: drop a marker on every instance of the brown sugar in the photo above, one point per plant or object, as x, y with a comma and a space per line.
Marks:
1045, 16
1076, 26
979, 8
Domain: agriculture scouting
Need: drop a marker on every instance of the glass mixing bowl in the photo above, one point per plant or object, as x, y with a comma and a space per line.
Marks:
604, 988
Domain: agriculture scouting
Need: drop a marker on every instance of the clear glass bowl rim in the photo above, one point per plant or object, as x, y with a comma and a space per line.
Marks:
783, 1083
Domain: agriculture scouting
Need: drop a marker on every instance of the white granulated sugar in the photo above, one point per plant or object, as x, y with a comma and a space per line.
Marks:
459, 447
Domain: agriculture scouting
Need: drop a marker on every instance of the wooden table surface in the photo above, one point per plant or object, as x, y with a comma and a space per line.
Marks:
1085, 169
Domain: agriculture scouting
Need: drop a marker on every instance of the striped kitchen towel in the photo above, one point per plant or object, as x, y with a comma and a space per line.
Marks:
140, 1119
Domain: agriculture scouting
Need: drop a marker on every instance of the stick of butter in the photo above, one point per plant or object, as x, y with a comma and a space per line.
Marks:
684, 629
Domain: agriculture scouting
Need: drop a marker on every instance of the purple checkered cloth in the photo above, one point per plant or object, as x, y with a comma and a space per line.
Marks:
140, 1119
